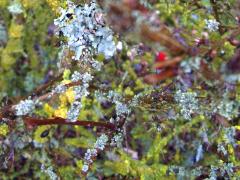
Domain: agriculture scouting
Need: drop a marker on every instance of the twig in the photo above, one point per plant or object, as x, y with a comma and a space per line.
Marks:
33, 122
172, 62
155, 78
43, 87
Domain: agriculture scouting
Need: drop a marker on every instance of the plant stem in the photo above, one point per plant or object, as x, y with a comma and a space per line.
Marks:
33, 122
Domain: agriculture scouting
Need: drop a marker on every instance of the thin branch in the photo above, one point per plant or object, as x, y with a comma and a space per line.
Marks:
43, 87
33, 122
168, 63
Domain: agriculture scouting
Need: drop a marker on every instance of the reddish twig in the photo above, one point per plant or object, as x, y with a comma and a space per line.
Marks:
164, 37
155, 78
73, 84
168, 63
234, 42
33, 122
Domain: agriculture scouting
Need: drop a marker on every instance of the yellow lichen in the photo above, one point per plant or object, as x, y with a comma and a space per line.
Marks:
61, 112
54, 5
15, 31
129, 92
48, 110
66, 74
4, 129
70, 95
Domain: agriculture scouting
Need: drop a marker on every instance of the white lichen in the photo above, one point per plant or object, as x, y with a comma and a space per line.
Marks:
59, 89
117, 140
25, 107
74, 110
199, 154
191, 64
92, 153
85, 28
101, 142
121, 109
187, 102
76, 76
49, 171
228, 109
222, 149
212, 25
85, 168
15, 8
229, 134
81, 91
119, 46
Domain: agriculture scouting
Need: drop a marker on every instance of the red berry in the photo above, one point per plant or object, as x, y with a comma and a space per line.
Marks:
161, 56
